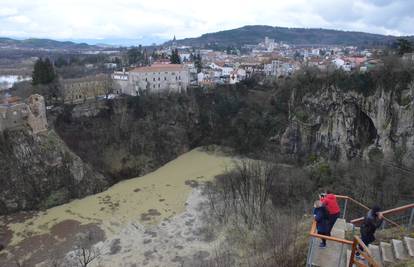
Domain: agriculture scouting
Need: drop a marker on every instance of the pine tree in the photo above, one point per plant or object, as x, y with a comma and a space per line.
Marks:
175, 57
404, 46
197, 62
43, 72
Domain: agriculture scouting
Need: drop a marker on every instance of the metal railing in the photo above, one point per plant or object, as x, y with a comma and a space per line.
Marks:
356, 243
404, 215
361, 248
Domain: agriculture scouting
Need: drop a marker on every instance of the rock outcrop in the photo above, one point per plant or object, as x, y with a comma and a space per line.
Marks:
39, 171
347, 125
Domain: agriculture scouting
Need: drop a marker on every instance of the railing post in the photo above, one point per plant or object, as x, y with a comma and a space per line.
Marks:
351, 260
353, 229
410, 223
345, 206
310, 252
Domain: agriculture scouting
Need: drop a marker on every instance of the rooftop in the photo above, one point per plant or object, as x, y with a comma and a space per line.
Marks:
159, 68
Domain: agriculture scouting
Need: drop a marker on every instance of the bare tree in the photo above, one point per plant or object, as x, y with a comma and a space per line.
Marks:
85, 251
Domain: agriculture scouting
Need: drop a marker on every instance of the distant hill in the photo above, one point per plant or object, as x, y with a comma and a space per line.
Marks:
34, 43
297, 36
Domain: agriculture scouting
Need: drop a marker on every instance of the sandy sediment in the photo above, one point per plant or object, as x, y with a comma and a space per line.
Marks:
132, 208
183, 240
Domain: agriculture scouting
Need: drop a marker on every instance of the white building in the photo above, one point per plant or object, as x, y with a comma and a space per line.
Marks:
342, 64
279, 68
156, 78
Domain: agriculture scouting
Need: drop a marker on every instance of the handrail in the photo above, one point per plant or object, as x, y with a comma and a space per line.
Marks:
357, 241
364, 252
332, 238
365, 207
353, 200
387, 212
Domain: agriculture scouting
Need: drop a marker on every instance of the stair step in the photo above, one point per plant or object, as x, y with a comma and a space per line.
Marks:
409, 243
399, 250
328, 256
386, 251
349, 226
348, 258
340, 224
338, 233
376, 254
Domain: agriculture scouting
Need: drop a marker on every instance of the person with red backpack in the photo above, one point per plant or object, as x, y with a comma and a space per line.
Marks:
330, 203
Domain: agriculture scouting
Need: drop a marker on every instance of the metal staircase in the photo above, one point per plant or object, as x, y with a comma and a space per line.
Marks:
397, 251
341, 252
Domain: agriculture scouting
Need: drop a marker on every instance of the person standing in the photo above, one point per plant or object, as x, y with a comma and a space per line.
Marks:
322, 221
329, 201
372, 221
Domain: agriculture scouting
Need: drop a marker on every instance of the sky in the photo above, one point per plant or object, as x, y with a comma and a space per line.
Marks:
156, 21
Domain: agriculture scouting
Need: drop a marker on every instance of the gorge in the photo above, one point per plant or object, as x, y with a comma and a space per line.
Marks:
310, 127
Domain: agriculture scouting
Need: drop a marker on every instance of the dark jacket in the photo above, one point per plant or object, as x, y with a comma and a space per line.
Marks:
369, 226
322, 219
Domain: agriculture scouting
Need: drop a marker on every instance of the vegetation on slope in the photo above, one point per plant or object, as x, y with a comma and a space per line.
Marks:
300, 36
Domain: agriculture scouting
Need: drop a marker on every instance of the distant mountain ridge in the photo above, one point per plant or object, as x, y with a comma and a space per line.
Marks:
251, 34
38, 43
77, 44
254, 34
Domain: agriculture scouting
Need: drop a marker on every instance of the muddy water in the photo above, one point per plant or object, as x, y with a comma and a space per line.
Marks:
148, 200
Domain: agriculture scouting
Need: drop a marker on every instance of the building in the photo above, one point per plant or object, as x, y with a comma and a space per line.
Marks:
155, 78
15, 114
86, 88
279, 68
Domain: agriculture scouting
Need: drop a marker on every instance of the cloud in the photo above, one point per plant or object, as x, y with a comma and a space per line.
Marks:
134, 19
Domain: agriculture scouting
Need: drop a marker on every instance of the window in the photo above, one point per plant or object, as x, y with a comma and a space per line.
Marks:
153, 79
159, 85
165, 78
159, 78
153, 86
179, 77
146, 79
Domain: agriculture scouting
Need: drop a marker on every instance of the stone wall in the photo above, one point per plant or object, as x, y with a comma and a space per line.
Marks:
31, 113
37, 115
13, 116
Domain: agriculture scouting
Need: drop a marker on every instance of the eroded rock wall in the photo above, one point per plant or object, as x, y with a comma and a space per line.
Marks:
347, 125
39, 171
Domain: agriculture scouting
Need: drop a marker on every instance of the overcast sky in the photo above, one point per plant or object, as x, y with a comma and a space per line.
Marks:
136, 19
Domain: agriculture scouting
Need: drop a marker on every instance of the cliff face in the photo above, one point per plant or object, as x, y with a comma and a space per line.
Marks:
128, 137
132, 136
39, 171
347, 125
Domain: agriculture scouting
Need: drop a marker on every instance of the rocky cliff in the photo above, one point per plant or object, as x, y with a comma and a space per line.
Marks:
131, 136
39, 171
128, 137
347, 125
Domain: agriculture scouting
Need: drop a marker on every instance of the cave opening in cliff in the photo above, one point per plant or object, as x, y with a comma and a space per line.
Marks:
366, 131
